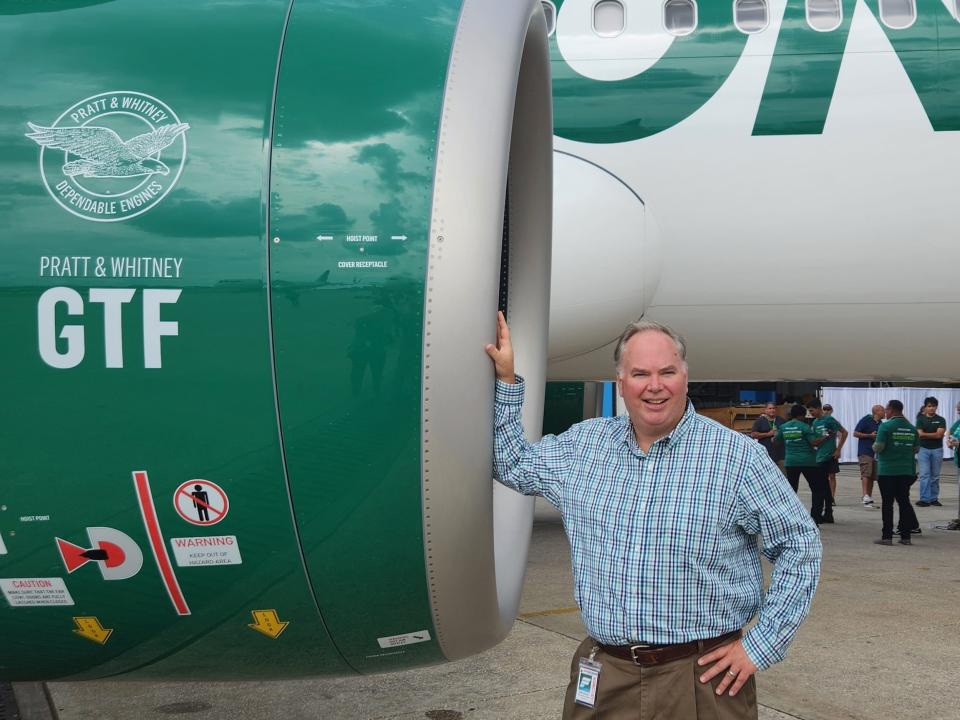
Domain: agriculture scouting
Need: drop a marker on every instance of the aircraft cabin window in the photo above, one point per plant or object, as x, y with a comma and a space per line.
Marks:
898, 14
750, 16
550, 12
824, 15
680, 16
609, 18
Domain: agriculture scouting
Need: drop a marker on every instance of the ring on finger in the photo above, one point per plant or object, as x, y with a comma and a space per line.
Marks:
731, 673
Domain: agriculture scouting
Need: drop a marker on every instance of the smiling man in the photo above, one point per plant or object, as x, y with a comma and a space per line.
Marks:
667, 513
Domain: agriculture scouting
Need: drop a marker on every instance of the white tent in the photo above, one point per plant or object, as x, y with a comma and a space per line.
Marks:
851, 404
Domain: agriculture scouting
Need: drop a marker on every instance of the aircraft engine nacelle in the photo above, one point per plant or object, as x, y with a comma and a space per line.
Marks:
252, 255
606, 266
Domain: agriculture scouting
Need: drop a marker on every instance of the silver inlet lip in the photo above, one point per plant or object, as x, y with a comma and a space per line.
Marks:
496, 124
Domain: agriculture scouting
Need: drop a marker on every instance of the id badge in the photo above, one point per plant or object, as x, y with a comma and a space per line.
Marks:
587, 681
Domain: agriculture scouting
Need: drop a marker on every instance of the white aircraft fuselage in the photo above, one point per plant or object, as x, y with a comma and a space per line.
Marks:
783, 198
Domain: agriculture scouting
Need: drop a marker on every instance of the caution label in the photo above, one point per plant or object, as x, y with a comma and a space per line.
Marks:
35, 592
405, 639
202, 551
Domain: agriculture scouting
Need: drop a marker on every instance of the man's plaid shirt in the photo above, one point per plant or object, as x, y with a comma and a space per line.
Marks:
664, 544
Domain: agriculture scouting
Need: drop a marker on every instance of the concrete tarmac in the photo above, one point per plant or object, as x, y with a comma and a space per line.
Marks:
882, 641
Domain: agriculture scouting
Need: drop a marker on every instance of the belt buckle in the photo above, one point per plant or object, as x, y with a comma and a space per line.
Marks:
634, 648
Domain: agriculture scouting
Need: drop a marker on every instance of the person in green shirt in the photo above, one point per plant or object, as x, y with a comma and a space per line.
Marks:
931, 428
897, 441
828, 453
800, 441
953, 440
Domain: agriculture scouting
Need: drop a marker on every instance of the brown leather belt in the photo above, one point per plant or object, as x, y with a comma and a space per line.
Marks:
642, 654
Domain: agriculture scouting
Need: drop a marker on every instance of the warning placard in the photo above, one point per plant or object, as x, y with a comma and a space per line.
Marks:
201, 502
202, 551
405, 639
35, 592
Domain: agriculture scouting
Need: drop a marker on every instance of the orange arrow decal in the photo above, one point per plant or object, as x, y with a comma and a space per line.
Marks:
91, 629
267, 622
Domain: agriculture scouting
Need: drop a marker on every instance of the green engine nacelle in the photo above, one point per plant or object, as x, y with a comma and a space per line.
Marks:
252, 252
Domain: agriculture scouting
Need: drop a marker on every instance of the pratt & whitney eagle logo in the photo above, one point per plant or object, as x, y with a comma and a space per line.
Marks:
104, 154
100, 175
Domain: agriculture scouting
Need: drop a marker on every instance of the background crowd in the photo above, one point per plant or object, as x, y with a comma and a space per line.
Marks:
892, 454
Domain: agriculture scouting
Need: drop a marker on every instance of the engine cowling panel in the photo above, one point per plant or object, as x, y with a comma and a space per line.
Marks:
217, 319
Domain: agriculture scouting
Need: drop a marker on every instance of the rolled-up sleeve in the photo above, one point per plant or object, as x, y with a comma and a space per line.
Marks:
529, 468
791, 540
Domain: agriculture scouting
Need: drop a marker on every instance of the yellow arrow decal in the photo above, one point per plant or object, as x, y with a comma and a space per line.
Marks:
267, 622
91, 629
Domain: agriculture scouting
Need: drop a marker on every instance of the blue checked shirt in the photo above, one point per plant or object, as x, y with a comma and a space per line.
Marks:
664, 544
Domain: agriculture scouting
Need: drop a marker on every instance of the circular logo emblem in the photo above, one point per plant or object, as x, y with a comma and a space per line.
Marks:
112, 156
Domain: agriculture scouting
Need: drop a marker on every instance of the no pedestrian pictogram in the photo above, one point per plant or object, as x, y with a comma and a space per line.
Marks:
201, 502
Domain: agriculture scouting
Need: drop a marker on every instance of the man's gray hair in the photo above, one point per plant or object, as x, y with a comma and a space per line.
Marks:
640, 326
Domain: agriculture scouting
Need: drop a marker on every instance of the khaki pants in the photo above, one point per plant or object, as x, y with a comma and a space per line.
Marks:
671, 691
868, 468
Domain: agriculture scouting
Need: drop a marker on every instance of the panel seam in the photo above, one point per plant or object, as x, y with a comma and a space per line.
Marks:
605, 170
272, 341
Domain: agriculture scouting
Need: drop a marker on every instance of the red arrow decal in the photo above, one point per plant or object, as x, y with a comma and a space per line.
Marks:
115, 554
72, 555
